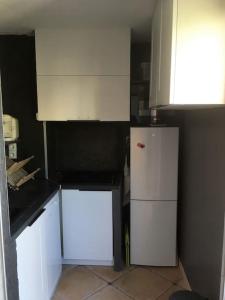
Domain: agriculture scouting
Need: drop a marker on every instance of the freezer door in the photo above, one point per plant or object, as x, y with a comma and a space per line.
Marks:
153, 233
154, 163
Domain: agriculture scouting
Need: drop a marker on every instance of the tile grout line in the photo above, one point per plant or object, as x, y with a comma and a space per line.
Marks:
156, 273
68, 268
97, 275
94, 293
111, 283
123, 274
114, 280
164, 292
128, 271
87, 269
151, 271
123, 292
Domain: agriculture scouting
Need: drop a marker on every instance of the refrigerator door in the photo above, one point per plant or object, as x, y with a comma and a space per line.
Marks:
153, 233
154, 163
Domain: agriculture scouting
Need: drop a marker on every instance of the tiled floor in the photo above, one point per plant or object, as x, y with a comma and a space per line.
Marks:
102, 283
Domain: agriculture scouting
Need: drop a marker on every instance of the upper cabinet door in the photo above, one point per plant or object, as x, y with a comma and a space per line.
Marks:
155, 53
83, 52
103, 98
166, 55
191, 68
83, 74
200, 52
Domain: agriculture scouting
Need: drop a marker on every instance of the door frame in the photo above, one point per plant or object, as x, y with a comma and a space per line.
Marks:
8, 257
3, 198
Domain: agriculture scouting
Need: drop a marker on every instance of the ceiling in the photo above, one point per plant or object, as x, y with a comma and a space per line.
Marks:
23, 16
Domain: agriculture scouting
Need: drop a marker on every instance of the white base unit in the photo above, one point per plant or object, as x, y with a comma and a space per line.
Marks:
153, 233
52, 244
30, 259
86, 262
87, 226
39, 262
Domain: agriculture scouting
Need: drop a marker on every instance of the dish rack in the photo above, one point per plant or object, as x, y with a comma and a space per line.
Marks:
16, 174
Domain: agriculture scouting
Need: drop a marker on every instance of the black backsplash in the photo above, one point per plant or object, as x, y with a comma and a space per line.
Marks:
19, 95
86, 147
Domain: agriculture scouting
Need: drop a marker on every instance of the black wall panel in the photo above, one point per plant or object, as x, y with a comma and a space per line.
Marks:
86, 146
202, 199
19, 93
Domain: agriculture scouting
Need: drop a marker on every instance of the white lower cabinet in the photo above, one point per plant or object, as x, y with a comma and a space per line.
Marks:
52, 244
32, 285
39, 255
87, 227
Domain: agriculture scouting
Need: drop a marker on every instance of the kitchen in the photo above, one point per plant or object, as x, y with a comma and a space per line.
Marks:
104, 135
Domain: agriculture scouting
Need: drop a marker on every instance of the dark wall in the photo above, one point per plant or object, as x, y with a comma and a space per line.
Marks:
140, 52
18, 76
202, 199
86, 146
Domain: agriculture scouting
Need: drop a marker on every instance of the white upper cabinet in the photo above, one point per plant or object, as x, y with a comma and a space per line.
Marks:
83, 74
103, 98
83, 52
188, 53
155, 54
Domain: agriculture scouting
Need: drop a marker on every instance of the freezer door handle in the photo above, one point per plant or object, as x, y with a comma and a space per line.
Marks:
141, 145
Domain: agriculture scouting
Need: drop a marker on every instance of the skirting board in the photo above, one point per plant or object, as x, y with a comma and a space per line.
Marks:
87, 262
186, 283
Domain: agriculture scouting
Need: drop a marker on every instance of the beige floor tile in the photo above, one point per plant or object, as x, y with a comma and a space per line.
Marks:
171, 273
78, 283
67, 267
109, 293
169, 292
184, 284
107, 273
142, 284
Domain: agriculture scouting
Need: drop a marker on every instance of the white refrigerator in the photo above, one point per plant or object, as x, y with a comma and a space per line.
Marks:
154, 176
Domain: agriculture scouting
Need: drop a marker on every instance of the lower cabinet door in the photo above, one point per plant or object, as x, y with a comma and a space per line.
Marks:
87, 226
52, 245
32, 285
39, 255
153, 233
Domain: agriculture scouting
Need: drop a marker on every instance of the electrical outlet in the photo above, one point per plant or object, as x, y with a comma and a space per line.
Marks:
13, 151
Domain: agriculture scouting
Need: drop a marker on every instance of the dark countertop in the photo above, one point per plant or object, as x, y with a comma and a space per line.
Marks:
89, 187
92, 181
25, 204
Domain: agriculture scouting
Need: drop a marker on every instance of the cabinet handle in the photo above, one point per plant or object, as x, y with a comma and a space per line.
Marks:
36, 217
